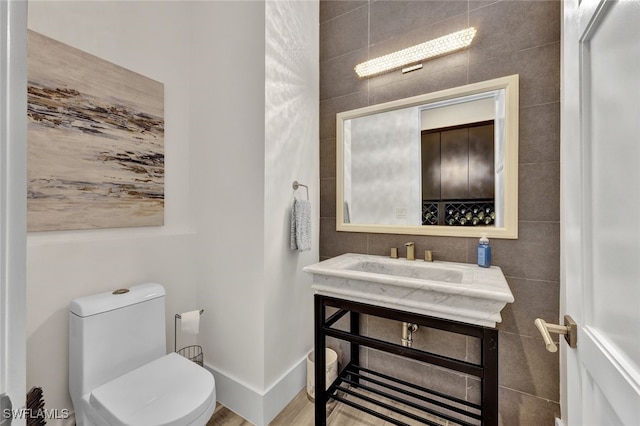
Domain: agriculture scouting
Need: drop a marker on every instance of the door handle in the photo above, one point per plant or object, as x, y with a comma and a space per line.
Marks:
569, 330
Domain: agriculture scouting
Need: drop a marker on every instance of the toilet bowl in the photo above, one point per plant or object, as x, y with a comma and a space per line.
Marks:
119, 373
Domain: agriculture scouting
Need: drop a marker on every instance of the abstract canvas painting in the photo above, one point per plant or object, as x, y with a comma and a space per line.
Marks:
95, 141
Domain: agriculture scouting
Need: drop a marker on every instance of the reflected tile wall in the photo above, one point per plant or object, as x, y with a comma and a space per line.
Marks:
520, 37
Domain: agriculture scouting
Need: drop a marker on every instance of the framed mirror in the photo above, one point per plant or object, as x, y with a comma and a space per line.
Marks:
444, 163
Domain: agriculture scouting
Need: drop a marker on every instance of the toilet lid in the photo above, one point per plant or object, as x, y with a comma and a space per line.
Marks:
168, 391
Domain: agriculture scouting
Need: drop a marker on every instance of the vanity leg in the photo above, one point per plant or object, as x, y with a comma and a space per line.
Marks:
354, 325
490, 379
319, 370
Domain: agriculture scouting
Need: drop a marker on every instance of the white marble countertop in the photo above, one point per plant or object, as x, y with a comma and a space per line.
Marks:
457, 291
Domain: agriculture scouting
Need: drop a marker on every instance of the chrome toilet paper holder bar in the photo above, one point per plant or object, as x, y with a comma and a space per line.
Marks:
175, 330
179, 316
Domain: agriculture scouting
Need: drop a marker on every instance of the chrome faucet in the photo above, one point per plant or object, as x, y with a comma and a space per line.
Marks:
411, 250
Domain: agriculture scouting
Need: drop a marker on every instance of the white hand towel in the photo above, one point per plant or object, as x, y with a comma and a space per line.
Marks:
190, 322
301, 225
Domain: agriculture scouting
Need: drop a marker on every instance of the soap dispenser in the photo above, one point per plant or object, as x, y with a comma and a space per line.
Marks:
484, 252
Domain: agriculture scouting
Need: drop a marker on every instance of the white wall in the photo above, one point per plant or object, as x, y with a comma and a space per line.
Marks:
227, 136
254, 131
456, 114
292, 153
149, 39
241, 116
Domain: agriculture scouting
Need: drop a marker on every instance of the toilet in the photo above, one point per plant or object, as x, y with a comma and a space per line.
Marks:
119, 372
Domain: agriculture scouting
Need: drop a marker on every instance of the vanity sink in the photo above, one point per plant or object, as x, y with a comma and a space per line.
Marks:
455, 291
419, 269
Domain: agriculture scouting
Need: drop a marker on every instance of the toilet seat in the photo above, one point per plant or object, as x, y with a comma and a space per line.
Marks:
170, 391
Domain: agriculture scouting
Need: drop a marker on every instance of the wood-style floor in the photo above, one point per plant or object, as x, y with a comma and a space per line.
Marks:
300, 412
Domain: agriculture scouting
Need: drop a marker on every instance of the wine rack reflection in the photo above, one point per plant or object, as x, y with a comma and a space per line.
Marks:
459, 213
429, 213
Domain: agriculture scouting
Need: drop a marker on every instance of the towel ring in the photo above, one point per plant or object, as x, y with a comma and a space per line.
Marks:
297, 185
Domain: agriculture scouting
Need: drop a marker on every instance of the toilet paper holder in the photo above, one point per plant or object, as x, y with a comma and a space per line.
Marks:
192, 352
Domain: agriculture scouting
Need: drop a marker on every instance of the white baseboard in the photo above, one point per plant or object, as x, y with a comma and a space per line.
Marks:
255, 406
237, 396
284, 390
559, 422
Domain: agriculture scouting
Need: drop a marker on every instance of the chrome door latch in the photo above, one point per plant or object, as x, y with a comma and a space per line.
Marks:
569, 330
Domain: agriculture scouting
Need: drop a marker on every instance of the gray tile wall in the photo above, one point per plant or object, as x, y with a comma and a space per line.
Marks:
520, 37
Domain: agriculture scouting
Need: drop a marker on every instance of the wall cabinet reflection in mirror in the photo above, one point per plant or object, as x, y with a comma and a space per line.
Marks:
444, 163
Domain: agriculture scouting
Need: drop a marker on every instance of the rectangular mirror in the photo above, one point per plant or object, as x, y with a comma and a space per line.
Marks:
444, 163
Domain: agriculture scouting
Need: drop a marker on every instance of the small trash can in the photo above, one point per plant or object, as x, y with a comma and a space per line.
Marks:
193, 353
331, 369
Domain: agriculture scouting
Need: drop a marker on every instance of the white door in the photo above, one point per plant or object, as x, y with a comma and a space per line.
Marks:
13, 141
601, 212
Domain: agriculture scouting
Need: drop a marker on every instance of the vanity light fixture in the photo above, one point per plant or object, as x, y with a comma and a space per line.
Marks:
419, 52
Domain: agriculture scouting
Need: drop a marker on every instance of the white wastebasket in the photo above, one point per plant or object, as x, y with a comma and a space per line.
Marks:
331, 370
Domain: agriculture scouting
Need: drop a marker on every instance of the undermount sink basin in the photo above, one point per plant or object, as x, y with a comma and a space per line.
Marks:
407, 269
456, 291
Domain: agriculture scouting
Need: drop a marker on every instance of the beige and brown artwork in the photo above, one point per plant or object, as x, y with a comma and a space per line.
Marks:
95, 142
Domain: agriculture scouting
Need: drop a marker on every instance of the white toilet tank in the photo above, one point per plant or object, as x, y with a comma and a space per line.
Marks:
112, 334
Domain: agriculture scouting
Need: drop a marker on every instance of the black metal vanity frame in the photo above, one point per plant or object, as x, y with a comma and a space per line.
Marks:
351, 378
